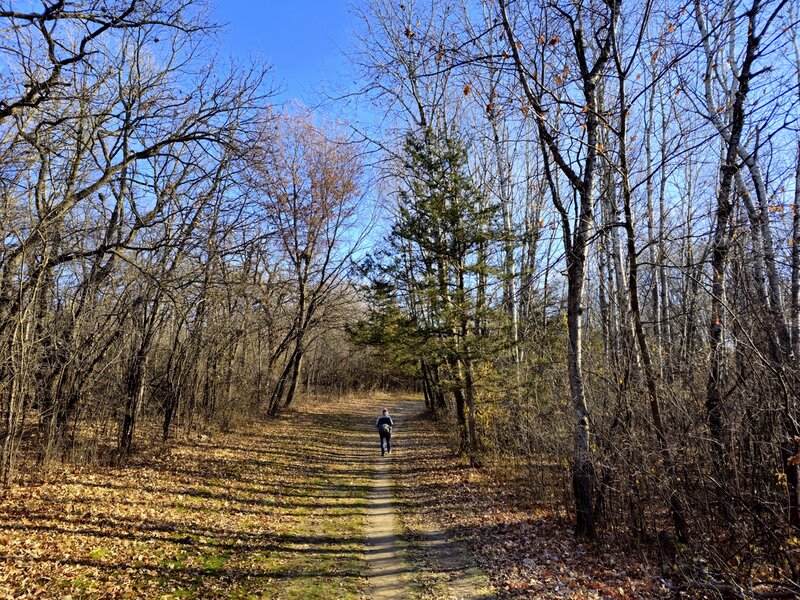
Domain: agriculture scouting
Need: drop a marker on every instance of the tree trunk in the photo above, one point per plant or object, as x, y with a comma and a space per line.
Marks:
795, 318
665, 327
295, 376
438, 392
134, 388
583, 472
472, 429
510, 302
14, 406
461, 406
427, 387
722, 233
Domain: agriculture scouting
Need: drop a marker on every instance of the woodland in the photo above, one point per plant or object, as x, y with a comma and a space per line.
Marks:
570, 227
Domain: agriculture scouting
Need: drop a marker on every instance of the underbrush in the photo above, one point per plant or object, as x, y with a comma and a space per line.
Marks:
524, 534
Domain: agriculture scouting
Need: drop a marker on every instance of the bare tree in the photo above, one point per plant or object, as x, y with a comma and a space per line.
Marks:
102, 143
310, 186
589, 68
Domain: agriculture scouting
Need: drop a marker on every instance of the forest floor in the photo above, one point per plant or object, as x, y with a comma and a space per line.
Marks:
275, 510
527, 550
302, 506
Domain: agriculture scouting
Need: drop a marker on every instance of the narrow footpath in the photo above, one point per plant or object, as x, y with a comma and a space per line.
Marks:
425, 562
386, 569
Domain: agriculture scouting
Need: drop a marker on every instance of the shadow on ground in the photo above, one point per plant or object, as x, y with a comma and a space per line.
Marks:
275, 511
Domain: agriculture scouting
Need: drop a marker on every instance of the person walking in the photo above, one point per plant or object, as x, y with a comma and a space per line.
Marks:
384, 425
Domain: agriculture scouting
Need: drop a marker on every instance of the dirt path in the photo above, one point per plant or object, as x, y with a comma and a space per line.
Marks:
386, 569
410, 557
385, 566
299, 507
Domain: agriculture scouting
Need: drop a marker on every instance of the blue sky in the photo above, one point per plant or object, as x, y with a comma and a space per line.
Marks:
303, 39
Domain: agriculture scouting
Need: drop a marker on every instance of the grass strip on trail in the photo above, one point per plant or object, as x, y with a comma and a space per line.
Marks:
275, 511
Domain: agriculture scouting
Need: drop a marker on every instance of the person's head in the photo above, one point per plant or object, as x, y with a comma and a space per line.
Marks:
385, 411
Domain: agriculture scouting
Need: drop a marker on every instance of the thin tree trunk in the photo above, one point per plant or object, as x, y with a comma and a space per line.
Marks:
795, 303
510, 304
665, 327
795, 318
426, 390
583, 472
675, 505
438, 392
12, 423
134, 390
472, 428
461, 406
295, 376
722, 235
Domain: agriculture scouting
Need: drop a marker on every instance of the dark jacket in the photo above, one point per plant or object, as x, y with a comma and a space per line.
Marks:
383, 419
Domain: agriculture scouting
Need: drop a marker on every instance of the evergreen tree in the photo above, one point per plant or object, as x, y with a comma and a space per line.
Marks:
437, 265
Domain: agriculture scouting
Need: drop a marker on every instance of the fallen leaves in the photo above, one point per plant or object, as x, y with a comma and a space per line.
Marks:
528, 551
252, 513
